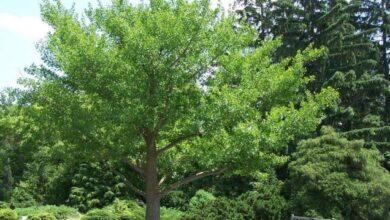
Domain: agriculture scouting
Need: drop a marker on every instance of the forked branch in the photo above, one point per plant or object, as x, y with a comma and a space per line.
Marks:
124, 178
191, 179
178, 141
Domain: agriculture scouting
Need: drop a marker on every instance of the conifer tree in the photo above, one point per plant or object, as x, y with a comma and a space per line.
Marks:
356, 37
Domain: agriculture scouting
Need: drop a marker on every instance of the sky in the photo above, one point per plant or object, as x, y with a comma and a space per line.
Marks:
21, 28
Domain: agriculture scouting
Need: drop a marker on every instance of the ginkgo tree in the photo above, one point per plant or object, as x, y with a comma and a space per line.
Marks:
172, 89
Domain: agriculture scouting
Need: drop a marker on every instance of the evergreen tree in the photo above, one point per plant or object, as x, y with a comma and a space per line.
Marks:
375, 15
373, 20
355, 61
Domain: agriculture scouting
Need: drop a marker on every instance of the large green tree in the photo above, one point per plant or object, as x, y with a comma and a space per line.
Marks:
173, 89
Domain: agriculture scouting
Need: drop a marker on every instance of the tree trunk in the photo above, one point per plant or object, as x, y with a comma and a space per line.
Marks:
152, 190
152, 207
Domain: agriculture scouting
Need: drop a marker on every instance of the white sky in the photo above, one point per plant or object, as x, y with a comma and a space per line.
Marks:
21, 28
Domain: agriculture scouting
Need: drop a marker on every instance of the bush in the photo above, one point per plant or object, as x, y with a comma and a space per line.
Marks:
125, 216
126, 210
175, 199
332, 176
205, 206
60, 212
21, 197
95, 186
201, 200
171, 214
99, 214
4, 205
266, 198
8, 214
42, 216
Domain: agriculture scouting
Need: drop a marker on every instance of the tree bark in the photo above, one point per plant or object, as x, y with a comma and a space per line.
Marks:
152, 208
152, 188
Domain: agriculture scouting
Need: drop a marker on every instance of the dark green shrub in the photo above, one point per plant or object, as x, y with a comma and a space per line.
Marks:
45, 178
42, 216
175, 199
21, 197
99, 214
8, 214
333, 177
201, 200
95, 186
198, 205
229, 209
265, 198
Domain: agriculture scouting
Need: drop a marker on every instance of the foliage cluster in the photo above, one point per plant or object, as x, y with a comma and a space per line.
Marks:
8, 214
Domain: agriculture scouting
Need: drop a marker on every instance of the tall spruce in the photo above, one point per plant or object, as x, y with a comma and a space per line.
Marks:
356, 38
374, 15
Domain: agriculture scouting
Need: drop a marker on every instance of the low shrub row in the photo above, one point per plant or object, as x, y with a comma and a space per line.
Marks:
49, 212
8, 214
128, 210
203, 205
59, 212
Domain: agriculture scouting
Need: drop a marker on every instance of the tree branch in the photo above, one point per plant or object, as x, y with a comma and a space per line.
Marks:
191, 179
203, 68
177, 141
134, 188
162, 180
186, 49
182, 53
134, 166
163, 117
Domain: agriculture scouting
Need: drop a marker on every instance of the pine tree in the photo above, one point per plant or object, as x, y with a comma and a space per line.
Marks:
355, 63
375, 15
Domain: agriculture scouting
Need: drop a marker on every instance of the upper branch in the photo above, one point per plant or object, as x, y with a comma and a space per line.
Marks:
178, 141
191, 179
186, 49
204, 67
163, 117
